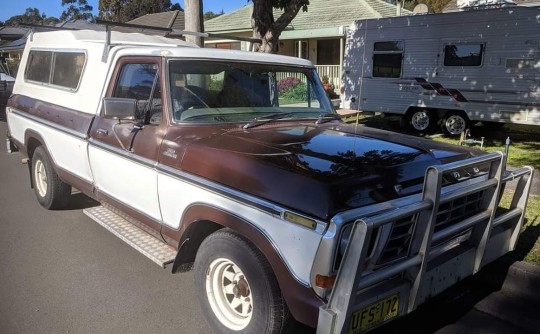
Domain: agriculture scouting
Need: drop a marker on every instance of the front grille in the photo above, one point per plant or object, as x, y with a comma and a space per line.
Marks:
399, 241
458, 210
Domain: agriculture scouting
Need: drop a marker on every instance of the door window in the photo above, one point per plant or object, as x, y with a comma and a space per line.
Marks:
140, 82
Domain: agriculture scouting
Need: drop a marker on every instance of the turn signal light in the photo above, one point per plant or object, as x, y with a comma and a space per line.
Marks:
325, 282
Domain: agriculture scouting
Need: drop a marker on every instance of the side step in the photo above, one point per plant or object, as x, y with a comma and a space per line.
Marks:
154, 249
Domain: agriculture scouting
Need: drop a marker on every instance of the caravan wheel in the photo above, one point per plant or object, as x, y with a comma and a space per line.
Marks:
454, 123
420, 120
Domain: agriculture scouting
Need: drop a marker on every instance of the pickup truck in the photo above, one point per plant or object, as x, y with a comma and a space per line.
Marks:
235, 165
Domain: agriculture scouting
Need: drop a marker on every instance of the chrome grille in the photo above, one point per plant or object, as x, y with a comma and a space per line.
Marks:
398, 244
459, 209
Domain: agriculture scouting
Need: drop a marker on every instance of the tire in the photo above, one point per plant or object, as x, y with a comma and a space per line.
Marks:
237, 289
51, 192
454, 123
419, 120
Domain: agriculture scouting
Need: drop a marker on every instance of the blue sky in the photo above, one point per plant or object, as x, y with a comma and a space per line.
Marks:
9, 8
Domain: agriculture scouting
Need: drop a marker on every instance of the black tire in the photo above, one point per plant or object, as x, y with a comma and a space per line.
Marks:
419, 120
51, 192
454, 123
232, 255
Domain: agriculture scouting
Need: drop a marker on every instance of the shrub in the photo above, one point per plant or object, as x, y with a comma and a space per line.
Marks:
287, 84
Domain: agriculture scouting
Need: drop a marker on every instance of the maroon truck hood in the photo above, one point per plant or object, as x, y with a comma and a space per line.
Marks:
318, 170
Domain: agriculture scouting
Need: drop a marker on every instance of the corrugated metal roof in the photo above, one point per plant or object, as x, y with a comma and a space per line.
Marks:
320, 14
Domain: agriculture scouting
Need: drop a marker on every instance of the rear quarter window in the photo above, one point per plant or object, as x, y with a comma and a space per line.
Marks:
56, 68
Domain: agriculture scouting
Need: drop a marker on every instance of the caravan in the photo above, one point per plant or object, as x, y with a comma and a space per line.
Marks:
453, 69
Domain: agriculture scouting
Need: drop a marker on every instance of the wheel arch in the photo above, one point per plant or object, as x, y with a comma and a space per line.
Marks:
201, 220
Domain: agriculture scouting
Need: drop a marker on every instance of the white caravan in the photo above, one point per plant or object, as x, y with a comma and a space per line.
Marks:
451, 69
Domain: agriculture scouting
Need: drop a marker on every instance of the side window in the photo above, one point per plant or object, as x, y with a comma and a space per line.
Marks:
140, 82
463, 54
67, 69
387, 59
39, 66
63, 69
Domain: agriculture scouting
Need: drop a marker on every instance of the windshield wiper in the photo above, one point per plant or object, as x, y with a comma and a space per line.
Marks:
323, 118
266, 119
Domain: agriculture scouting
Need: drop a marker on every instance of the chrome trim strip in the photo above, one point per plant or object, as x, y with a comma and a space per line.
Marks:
55, 126
125, 154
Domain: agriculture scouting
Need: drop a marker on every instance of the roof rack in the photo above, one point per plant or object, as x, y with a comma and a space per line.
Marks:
177, 32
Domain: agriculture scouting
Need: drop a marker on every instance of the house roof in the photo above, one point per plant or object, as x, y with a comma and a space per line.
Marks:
452, 5
320, 14
80, 25
14, 45
172, 20
12, 33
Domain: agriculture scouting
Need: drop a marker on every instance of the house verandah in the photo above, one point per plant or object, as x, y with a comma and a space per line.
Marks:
317, 35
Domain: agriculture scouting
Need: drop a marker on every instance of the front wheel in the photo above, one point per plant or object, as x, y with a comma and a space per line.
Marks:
236, 287
51, 191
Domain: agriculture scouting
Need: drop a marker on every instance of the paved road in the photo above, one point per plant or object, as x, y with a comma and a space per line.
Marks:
62, 273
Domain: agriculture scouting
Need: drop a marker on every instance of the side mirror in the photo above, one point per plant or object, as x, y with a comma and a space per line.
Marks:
119, 108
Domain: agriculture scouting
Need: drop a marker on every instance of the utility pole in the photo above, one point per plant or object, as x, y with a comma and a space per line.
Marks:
194, 20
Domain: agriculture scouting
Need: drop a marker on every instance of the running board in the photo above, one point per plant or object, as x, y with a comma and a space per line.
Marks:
154, 249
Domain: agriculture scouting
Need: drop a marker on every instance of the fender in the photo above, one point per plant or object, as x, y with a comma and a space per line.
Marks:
302, 301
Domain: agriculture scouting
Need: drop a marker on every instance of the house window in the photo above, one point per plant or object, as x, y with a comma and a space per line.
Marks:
387, 59
328, 52
63, 69
301, 49
463, 54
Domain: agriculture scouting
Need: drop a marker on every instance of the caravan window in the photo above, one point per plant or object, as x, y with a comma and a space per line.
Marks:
463, 54
387, 59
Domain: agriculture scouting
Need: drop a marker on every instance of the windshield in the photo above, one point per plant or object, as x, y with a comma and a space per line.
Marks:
207, 91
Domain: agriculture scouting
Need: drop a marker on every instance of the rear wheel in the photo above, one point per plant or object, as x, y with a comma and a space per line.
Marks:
51, 192
236, 287
420, 120
454, 123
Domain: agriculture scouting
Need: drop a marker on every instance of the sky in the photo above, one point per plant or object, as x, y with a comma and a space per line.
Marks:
9, 8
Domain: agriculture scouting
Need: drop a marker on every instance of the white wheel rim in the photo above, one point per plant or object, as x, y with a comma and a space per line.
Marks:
229, 294
455, 124
40, 176
420, 120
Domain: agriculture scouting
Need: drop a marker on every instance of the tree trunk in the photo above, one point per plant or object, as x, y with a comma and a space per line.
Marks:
266, 28
194, 20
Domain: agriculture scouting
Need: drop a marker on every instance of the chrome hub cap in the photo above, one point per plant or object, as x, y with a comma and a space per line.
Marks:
420, 120
455, 124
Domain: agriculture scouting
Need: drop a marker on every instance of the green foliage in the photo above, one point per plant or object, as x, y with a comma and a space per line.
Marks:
76, 10
127, 10
30, 16
210, 15
296, 93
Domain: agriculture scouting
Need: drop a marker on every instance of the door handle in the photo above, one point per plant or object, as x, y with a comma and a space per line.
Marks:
102, 132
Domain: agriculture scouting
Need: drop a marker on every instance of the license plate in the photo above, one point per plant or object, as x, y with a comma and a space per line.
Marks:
374, 314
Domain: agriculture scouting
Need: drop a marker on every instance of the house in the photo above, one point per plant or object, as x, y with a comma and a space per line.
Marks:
170, 20
318, 34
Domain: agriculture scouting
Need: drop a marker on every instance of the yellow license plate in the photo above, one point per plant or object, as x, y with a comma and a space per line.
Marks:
374, 314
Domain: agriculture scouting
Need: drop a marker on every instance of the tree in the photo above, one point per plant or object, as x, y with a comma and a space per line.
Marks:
268, 29
194, 20
30, 16
210, 15
76, 10
127, 10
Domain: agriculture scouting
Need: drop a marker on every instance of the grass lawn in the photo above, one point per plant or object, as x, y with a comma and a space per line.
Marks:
524, 150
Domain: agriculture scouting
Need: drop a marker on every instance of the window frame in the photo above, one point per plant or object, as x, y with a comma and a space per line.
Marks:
388, 52
52, 67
